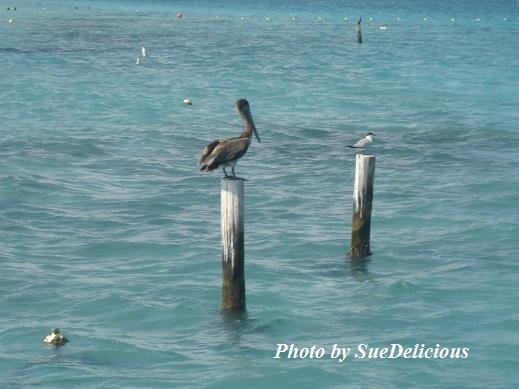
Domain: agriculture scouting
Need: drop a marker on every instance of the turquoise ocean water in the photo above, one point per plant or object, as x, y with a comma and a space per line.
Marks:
108, 231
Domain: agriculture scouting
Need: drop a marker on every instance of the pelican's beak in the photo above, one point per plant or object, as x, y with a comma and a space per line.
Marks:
251, 121
248, 117
256, 133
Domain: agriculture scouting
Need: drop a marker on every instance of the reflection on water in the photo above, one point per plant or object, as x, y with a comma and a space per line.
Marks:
234, 324
358, 269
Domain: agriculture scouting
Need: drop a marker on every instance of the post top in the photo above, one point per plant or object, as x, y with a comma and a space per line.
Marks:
232, 178
365, 156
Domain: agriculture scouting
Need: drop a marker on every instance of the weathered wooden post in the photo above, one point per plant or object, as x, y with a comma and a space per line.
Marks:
359, 31
233, 245
362, 205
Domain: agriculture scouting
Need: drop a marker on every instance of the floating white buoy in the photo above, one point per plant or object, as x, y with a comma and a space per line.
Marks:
187, 102
267, 18
370, 18
144, 52
477, 19
293, 18
504, 19
319, 18
345, 19
397, 18
242, 17
451, 19
424, 19
10, 21
55, 338
383, 28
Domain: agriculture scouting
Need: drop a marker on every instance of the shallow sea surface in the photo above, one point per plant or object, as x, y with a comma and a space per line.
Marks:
108, 231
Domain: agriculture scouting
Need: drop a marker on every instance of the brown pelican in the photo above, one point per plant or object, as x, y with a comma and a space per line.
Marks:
226, 152
364, 143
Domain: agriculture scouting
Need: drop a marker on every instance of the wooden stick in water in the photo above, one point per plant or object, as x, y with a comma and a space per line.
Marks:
362, 205
233, 244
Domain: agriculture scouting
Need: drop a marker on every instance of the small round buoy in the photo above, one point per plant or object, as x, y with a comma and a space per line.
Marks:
10, 21
187, 102
242, 17
397, 18
424, 19
452, 19
504, 19
477, 19
267, 18
345, 19
55, 338
370, 18
320, 18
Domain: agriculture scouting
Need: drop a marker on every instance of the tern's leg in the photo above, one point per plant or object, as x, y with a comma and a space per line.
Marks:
233, 172
225, 172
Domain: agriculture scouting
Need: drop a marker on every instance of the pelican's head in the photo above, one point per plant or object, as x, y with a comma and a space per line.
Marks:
243, 108
370, 134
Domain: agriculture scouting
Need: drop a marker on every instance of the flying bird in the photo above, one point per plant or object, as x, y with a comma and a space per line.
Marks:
225, 153
364, 143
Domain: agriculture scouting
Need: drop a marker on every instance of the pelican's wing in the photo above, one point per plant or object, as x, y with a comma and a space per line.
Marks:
208, 150
227, 151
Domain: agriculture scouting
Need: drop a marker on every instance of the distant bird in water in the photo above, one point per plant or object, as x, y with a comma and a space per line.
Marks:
144, 52
364, 143
225, 153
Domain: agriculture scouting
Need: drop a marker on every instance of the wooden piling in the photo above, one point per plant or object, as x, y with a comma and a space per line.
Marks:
362, 205
233, 244
359, 31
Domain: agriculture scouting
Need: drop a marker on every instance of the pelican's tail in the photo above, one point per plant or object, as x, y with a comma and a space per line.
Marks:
351, 147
